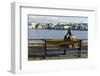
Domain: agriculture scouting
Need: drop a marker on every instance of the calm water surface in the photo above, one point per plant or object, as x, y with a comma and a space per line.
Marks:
55, 34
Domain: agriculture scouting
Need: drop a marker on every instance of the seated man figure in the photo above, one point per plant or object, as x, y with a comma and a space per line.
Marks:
68, 35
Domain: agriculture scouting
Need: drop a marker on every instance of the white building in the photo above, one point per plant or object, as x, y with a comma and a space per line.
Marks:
33, 25
66, 27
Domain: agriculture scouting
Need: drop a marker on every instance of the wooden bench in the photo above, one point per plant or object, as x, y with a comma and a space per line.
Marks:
59, 42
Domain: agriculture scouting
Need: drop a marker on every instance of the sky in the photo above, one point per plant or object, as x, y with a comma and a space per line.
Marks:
57, 19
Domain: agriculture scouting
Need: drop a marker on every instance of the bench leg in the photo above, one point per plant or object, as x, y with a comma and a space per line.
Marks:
44, 57
65, 51
79, 50
45, 51
79, 53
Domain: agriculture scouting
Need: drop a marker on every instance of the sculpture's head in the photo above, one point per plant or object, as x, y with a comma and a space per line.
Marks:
69, 29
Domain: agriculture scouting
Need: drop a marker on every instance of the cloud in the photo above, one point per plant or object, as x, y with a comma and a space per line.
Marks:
56, 19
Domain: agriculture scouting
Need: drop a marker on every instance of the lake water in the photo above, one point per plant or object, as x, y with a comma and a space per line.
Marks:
54, 34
